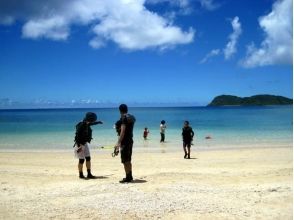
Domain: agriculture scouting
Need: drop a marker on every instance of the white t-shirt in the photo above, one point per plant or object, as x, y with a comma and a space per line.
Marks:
162, 128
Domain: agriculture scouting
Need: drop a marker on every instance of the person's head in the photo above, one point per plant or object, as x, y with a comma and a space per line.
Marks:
123, 109
162, 122
146, 128
90, 117
186, 123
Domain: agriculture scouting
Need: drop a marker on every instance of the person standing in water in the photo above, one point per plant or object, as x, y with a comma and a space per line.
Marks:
162, 131
187, 134
125, 141
83, 138
145, 133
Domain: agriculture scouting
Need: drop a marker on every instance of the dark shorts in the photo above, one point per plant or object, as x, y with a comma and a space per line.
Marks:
126, 152
187, 144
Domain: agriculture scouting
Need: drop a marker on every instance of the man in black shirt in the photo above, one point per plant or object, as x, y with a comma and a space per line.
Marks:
82, 139
188, 135
125, 141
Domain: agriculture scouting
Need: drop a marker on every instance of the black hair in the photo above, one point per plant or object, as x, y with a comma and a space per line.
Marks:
90, 117
186, 122
123, 108
162, 122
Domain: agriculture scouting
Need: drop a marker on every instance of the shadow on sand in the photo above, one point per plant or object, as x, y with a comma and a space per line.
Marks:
98, 177
139, 181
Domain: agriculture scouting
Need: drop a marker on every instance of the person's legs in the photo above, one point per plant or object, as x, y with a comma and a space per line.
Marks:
128, 170
88, 165
185, 151
80, 154
189, 150
162, 138
88, 160
126, 158
80, 168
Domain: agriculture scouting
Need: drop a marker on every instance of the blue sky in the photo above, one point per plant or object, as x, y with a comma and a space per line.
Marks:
143, 52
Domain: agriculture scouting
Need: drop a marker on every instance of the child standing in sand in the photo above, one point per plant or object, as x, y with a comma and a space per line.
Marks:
187, 134
82, 140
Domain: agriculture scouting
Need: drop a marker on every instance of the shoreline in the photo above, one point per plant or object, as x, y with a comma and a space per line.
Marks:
141, 148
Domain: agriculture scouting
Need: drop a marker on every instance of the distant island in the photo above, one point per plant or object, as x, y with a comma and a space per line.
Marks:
225, 100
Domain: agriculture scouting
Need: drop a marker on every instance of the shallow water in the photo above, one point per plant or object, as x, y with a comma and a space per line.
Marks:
228, 126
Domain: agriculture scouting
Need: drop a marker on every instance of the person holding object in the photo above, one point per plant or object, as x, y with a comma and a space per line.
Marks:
187, 134
82, 140
125, 141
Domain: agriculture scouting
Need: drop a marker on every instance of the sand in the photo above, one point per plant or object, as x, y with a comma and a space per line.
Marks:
217, 184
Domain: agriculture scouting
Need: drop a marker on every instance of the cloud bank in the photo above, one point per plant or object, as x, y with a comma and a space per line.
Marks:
276, 48
211, 54
230, 48
128, 23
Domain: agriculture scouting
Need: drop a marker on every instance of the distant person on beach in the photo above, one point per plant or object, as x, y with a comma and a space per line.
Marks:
117, 127
82, 140
125, 141
162, 131
145, 133
187, 134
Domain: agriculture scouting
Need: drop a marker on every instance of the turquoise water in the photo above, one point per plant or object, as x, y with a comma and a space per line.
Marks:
228, 126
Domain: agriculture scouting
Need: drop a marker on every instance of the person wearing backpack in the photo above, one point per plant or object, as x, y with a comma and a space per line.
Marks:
83, 138
125, 141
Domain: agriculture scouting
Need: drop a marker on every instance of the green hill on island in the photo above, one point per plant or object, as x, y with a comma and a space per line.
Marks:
223, 100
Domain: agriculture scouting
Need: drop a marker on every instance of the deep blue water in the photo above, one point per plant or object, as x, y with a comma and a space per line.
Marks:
228, 126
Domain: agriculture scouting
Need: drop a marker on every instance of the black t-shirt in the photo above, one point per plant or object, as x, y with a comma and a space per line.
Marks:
187, 133
129, 121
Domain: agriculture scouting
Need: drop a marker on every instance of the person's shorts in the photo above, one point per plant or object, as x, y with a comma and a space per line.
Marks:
126, 152
85, 152
187, 143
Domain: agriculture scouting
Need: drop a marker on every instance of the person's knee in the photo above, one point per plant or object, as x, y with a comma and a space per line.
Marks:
81, 161
88, 158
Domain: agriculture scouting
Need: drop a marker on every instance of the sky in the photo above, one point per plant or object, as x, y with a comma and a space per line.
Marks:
97, 53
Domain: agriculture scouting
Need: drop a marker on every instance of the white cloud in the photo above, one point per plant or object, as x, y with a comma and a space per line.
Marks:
55, 28
186, 4
211, 54
209, 5
276, 48
140, 30
230, 48
128, 23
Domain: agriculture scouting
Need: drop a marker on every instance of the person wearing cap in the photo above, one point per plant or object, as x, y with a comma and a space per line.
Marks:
125, 141
82, 140
187, 134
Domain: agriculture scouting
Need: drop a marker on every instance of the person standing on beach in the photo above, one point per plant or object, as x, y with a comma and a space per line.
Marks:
187, 134
162, 131
82, 140
125, 141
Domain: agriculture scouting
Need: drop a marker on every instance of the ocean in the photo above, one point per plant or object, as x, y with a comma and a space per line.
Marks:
228, 127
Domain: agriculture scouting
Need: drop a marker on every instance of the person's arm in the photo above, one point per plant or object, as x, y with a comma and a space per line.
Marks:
121, 136
95, 123
192, 133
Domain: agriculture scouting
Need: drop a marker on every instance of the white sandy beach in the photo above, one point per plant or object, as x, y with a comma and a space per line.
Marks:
219, 184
